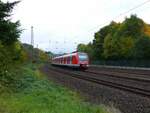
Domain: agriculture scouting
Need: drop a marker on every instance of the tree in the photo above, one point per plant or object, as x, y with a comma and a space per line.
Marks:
86, 48
10, 47
126, 40
9, 31
147, 29
131, 27
99, 38
142, 48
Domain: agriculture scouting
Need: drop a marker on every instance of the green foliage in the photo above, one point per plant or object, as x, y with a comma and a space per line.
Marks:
100, 36
4, 58
126, 48
9, 31
126, 40
108, 47
5, 65
86, 48
132, 27
6, 9
34, 54
82, 48
10, 57
43, 56
10, 48
118, 48
37, 95
120, 41
147, 29
142, 48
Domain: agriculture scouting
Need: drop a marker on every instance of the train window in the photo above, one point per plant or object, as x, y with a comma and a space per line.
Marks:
83, 57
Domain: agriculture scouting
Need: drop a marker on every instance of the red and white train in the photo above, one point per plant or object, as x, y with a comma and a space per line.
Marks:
78, 60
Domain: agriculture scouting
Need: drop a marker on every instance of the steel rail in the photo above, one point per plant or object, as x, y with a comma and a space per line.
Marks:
141, 79
135, 90
125, 71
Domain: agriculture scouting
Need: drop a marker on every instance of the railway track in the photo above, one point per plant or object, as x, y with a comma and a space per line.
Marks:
144, 73
139, 78
89, 78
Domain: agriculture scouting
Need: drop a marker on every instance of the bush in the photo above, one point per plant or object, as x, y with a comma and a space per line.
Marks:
10, 57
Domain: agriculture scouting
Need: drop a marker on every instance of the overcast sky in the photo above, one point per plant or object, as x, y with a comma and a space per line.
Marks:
59, 25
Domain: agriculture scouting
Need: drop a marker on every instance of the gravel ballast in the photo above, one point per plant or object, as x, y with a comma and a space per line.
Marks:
99, 94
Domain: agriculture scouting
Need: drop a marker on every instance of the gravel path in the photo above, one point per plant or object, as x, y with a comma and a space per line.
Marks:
99, 94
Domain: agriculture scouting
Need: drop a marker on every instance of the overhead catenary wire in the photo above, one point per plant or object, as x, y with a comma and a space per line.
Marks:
121, 14
109, 20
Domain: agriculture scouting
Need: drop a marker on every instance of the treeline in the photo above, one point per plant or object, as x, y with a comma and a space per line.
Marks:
129, 40
10, 47
12, 53
35, 55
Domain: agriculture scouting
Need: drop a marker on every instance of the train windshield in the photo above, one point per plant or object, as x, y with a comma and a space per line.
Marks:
83, 57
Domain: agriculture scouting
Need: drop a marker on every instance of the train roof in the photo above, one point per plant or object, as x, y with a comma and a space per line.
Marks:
69, 54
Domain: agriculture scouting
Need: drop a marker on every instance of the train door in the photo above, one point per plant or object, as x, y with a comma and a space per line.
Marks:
60, 60
70, 60
65, 60
74, 60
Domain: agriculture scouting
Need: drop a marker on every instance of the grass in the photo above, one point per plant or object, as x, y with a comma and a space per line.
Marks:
35, 94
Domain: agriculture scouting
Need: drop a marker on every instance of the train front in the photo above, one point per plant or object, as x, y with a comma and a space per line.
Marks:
83, 60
